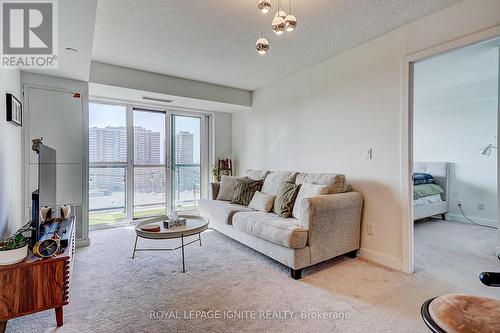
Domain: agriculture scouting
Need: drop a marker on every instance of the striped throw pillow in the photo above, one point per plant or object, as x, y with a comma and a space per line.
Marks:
285, 199
245, 190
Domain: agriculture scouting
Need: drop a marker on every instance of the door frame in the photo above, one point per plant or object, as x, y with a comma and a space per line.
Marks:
407, 135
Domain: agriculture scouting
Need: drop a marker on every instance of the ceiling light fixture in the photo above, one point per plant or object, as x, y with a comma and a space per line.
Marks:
264, 6
262, 45
290, 20
281, 23
278, 23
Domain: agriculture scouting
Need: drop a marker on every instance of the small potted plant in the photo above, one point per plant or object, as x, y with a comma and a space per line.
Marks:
13, 249
216, 173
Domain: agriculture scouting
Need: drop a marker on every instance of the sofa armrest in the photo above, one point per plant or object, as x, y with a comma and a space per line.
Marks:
334, 223
214, 190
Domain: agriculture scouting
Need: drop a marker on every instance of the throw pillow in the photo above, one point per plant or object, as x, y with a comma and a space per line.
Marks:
283, 205
245, 190
263, 202
308, 190
273, 181
227, 186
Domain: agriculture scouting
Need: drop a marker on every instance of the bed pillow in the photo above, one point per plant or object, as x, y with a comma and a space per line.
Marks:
422, 178
262, 202
226, 190
425, 190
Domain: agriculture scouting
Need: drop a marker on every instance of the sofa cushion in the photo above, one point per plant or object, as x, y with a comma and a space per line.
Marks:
226, 188
218, 211
245, 189
271, 227
337, 181
263, 202
273, 181
256, 174
308, 190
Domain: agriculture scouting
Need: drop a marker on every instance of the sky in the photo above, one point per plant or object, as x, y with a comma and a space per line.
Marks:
102, 115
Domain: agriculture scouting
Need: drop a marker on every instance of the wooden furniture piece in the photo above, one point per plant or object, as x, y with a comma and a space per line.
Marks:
195, 225
36, 284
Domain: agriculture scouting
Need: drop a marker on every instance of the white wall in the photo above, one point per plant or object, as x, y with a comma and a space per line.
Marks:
118, 76
11, 210
455, 115
323, 117
54, 112
222, 135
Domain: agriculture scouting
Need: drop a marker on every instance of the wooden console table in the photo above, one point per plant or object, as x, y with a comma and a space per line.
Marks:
36, 284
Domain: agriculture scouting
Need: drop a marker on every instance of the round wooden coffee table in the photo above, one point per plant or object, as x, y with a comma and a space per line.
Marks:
195, 225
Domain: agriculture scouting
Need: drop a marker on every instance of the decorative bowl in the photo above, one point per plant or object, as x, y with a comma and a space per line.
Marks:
10, 257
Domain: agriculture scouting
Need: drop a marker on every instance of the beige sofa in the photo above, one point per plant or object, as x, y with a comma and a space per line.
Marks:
327, 226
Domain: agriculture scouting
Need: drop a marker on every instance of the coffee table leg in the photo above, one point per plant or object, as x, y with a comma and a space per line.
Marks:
135, 245
199, 237
183, 266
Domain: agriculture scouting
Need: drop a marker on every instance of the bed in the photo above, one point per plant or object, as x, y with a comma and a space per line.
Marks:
424, 208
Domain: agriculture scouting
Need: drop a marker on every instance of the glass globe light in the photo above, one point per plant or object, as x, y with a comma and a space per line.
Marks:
278, 25
281, 14
262, 46
290, 23
264, 6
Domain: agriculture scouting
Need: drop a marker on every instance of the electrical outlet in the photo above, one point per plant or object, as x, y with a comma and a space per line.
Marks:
460, 203
481, 206
370, 229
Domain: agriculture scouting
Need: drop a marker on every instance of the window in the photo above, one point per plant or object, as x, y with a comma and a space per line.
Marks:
144, 163
107, 163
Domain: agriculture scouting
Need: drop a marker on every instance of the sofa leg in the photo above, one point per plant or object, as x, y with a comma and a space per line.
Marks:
296, 273
352, 254
443, 217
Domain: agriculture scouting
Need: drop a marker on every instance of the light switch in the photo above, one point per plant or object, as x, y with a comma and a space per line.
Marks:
369, 153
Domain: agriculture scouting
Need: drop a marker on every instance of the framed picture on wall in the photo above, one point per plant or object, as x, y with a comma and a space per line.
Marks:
14, 110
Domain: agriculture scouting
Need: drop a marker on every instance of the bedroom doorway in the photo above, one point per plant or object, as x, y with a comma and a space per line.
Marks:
454, 161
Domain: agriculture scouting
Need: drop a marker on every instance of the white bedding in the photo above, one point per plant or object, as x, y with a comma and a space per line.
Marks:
427, 200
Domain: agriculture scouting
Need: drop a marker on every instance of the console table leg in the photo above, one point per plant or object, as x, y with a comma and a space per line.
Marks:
3, 325
183, 266
59, 316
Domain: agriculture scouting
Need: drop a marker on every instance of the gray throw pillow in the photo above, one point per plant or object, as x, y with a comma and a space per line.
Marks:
283, 205
245, 190
227, 186
262, 202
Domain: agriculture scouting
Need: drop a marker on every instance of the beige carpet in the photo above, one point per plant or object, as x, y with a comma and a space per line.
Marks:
113, 293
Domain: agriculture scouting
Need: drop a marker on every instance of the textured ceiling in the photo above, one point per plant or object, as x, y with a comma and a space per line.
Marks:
214, 40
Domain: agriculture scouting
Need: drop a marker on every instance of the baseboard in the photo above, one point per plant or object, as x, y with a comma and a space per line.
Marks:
461, 218
381, 259
82, 242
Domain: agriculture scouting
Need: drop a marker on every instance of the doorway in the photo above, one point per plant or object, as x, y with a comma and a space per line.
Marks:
144, 162
453, 140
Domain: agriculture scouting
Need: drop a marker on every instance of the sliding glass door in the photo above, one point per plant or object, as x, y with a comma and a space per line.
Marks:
149, 163
144, 162
186, 162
